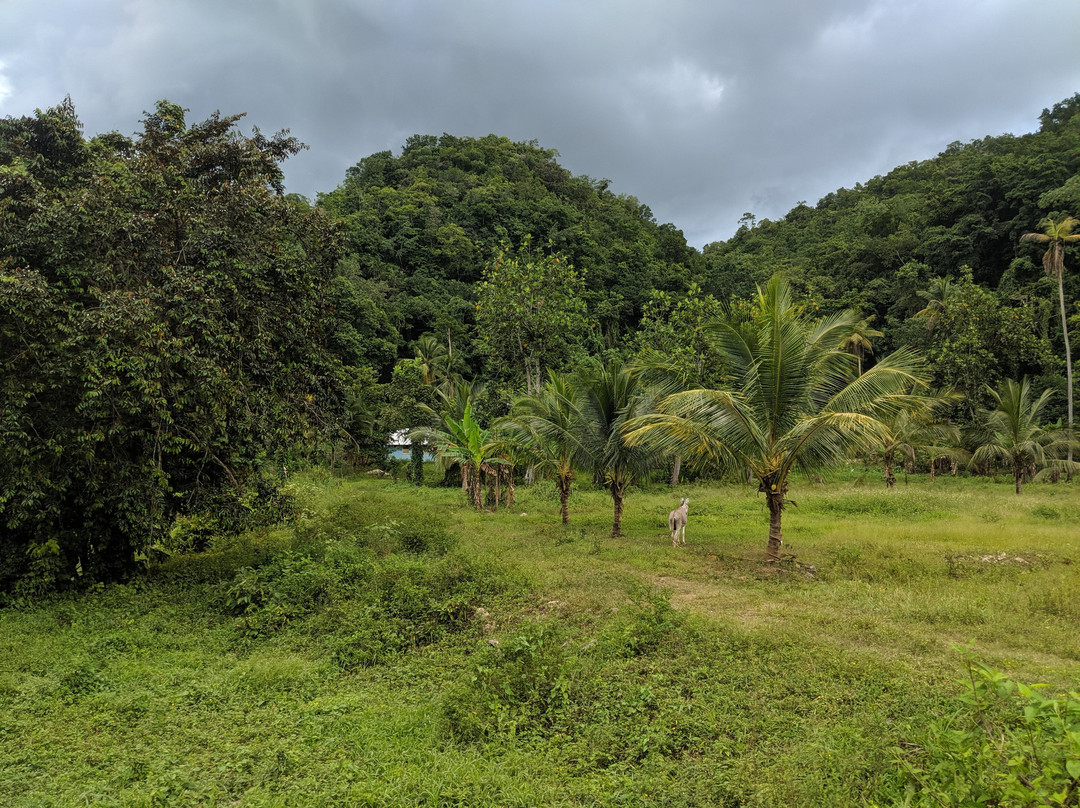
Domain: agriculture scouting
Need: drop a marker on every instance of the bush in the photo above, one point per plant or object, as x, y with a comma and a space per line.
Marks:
1010, 745
522, 685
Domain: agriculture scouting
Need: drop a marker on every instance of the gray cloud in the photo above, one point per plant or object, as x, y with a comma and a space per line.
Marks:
703, 109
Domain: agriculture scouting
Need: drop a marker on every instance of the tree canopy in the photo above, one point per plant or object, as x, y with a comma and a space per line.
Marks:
162, 332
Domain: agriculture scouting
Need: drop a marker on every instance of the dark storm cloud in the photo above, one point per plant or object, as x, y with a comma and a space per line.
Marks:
703, 109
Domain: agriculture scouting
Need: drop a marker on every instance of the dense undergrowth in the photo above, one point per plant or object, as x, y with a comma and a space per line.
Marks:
395, 648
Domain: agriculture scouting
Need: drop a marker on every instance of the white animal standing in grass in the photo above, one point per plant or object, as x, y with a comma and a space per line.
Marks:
677, 523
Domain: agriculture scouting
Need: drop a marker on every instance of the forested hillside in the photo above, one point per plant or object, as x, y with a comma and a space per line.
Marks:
176, 330
420, 229
877, 246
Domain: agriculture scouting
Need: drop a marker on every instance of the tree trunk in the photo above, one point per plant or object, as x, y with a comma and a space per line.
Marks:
890, 478
617, 497
1018, 475
933, 465
564, 498
675, 468
476, 489
775, 501
509, 486
1068, 366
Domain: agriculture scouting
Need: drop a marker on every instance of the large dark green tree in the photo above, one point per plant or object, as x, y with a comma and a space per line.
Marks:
162, 307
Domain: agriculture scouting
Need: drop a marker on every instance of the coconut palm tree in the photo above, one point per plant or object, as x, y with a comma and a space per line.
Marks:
795, 401
1055, 236
941, 293
610, 395
912, 431
549, 425
438, 365
858, 344
1012, 434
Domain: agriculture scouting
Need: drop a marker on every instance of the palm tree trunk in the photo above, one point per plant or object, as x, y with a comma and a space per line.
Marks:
1018, 475
890, 478
1068, 364
617, 497
564, 499
675, 468
776, 537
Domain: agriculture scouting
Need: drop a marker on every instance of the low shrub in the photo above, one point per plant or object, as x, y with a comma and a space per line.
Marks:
1008, 745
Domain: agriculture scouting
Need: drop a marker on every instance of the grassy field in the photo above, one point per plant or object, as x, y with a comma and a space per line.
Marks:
396, 648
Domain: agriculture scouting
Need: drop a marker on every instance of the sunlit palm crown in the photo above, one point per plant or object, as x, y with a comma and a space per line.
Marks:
794, 398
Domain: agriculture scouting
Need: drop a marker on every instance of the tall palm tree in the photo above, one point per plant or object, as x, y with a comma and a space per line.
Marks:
795, 401
549, 424
610, 396
1055, 236
1012, 434
858, 344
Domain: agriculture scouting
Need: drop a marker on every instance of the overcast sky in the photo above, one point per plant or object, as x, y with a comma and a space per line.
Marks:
702, 109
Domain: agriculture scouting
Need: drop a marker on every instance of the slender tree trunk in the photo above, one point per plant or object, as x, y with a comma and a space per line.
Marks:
675, 468
1068, 365
564, 498
1018, 475
933, 465
617, 497
509, 486
775, 502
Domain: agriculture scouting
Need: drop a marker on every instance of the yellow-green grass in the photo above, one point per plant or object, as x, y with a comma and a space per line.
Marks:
768, 685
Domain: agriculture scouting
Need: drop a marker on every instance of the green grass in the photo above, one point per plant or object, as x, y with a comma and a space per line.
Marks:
344, 661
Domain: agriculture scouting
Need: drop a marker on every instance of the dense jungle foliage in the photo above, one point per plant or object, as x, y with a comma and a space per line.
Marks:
177, 332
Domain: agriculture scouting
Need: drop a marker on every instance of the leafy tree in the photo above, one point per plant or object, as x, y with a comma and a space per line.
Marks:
531, 311
674, 326
408, 405
162, 332
794, 402
1012, 434
977, 340
1055, 236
